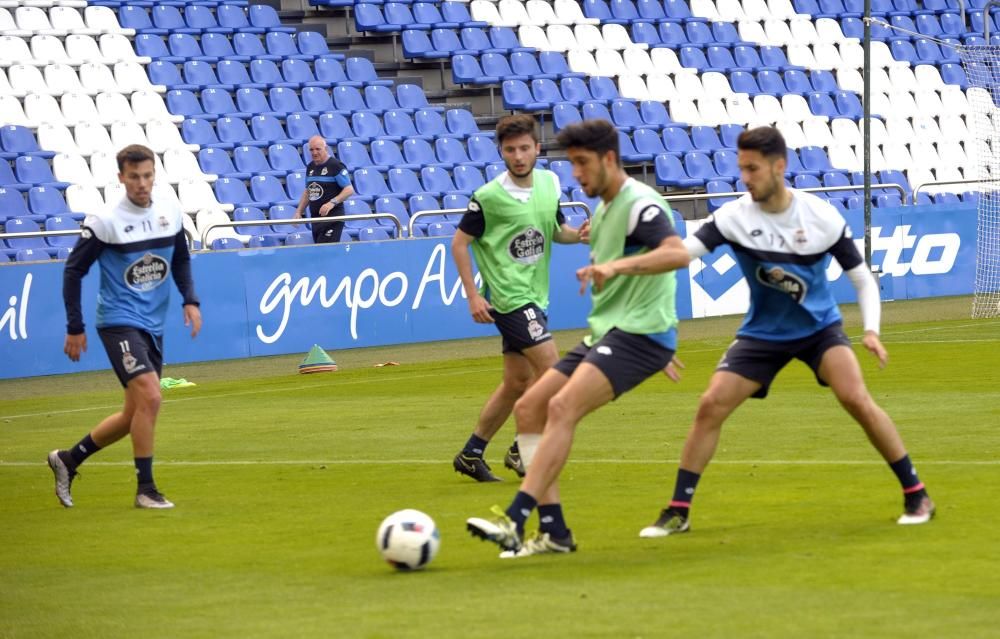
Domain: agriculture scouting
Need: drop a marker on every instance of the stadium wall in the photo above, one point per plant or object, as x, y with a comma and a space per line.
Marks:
278, 301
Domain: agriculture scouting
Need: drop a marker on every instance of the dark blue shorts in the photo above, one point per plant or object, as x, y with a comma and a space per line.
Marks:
522, 328
132, 351
626, 359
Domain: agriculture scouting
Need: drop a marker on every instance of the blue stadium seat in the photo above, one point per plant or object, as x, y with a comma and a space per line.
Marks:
728, 134
717, 186
32, 255
823, 81
250, 45
476, 41
699, 166
648, 141
234, 16
371, 234
672, 35
505, 39
670, 172
167, 74
368, 125
218, 162
331, 72
822, 104
48, 201
724, 161
354, 155
235, 73
251, 160
815, 160
458, 12
466, 69
524, 63
554, 63
600, 10
301, 127
153, 46
280, 102
265, 241
705, 138
774, 57
380, 98
226, 243
200, 17
794, 166
185, 45
334, 126
368, 17
202, 75
430, 122
169, 19
362, 70
250, 100
200, 131
135, 16
575, 91
298, 238
595, 111
625, 116
483, 149
452, 153
417, 44
295, 184
646, 32
18, 140
462, 122
217, 103
23, 224
651, 10
399, 125
411, 96
419, 152
266, 72
564, 170
545, 91
849, 106
436, 179
564, 114
9, 180
654, 112
604, 89
36, 171
744, 82
393, 206
265, 17
517, 96
624, 10
677, 140
348, 100
797, 81
316, 101
283, 44
468, 178
267, 188
314, 44
401, 13
300, 74
219, 46
699, 34
370, 184
405, 182
386, 153
233, 191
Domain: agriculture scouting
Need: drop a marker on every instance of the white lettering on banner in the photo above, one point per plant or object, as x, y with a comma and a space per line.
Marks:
360, 293
901, 240
15, 318
436, 260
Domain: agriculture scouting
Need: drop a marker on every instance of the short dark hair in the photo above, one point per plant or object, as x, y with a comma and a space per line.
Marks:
134, 154
765, 139
599, 136
511, 126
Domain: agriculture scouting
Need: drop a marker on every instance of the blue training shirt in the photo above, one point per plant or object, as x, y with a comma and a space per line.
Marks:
784, 257
138, 250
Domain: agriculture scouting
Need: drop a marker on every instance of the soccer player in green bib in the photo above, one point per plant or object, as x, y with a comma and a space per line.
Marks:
510, 225
634, 250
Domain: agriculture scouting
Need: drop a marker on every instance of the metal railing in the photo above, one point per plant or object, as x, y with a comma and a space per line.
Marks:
298, 220
436, 212
44, 234
813, 189
924, 185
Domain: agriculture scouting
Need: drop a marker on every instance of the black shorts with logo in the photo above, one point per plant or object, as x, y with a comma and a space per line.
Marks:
761, 360
132, 351
626, 359
522, 328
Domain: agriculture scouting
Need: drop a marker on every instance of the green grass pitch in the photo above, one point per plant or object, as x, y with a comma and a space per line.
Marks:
281, 480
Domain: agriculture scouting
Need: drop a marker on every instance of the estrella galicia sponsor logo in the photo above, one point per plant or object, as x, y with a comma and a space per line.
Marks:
147, 272
779, 278
528, 246
315, 191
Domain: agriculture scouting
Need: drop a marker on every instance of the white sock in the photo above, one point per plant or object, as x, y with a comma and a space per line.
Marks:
527, 443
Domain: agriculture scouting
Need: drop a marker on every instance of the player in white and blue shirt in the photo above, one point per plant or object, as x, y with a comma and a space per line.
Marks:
783, 240
140, 246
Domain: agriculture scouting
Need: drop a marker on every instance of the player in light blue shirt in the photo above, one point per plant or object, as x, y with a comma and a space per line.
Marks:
783, 240
139, 245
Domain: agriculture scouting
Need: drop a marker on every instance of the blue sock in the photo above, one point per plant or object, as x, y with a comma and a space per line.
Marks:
84, 449
144, 473
550, 520
520, 509
684, 489
475, 447
907, 475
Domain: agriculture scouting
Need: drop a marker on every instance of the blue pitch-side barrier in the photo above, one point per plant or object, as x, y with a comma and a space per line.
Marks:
269, 302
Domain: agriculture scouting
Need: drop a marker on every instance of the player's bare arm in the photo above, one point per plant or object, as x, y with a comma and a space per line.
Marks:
479, 308
670, 255
874, 345
192, 318
569, 235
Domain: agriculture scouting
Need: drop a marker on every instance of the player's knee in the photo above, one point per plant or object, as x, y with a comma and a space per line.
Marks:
559, 409
528, 412
856, 400
517, 384
711, 406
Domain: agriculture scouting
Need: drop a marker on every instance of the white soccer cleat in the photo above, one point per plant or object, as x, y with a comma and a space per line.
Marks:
921, 513
153, 500
64, 479
502, 530
670, 522
540, 543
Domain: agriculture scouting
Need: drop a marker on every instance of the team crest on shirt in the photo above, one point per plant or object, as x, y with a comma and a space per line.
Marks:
527, 247
800, 236
776, 277
323, 172
315, 191
147, 272
164, 224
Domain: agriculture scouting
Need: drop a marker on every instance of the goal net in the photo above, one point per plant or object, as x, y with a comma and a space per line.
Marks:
982, 67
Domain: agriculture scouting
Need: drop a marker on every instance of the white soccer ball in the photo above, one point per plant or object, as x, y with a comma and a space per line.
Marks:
408, 539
